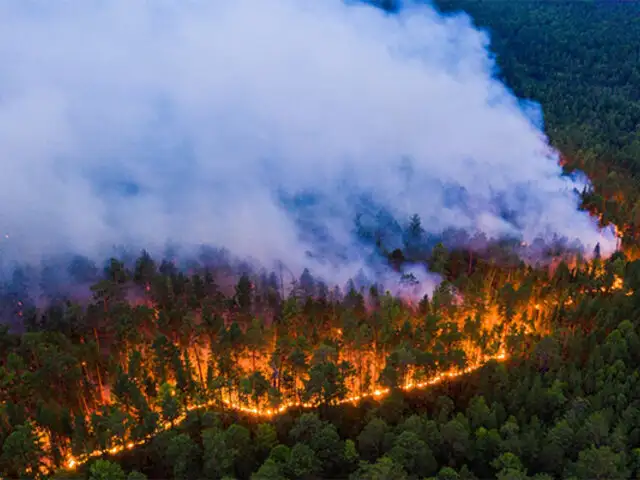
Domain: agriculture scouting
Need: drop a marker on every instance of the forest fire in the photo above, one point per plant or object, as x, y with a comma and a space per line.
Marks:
140, 367
232, 399
72, 462
336, 128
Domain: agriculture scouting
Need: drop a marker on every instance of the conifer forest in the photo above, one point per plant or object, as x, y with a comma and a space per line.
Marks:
508, 359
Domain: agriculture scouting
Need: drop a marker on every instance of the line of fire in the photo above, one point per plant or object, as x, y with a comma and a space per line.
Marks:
155, 343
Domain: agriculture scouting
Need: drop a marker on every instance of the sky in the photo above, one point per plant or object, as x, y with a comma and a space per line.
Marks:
196, 122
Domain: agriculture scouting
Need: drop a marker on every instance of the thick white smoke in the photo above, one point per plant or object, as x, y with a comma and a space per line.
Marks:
138, 122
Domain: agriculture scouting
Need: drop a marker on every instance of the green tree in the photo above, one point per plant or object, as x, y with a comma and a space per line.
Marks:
21, 452
237, 440
456, 438
384, 469
135, 475
447, 473
265, 439
351, 457
321, 437
105, 470
218, 459
371, 439
413, 454
478, 413
303, 462
169, 403
244, 293
599, 464
269, 470
509, 467
183, 453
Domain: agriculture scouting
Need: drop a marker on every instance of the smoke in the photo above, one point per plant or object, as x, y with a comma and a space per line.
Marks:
262, 127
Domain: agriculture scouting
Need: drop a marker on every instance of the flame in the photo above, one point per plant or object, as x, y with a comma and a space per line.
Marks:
618, 283
492, 322
73, 462
616, 231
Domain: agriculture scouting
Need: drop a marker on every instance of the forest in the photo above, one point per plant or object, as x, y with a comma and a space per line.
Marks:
178, 378
508, 370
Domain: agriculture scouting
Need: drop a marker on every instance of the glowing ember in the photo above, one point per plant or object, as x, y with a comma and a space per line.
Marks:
73, 462
618, 283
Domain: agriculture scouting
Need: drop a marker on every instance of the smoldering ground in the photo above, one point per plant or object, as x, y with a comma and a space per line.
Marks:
264, 128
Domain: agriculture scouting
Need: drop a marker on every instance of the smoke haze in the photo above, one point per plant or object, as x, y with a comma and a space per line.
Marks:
264, 127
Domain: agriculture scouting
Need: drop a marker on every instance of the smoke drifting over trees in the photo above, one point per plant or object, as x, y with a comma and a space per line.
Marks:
266, 128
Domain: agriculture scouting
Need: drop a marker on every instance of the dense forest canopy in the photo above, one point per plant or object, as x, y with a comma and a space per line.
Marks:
156, 345
219, 371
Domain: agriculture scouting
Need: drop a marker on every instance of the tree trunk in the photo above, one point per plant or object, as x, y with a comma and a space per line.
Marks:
100, 386
197, 355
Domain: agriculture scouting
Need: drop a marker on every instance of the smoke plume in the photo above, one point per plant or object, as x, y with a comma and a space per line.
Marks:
265, 127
